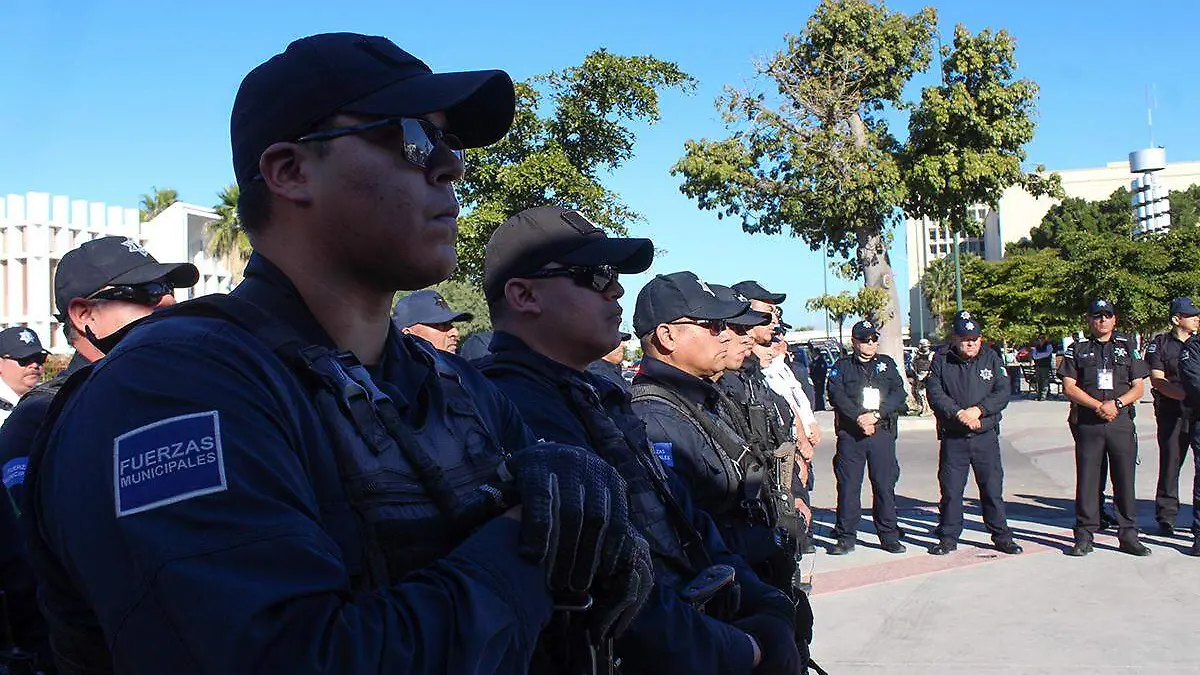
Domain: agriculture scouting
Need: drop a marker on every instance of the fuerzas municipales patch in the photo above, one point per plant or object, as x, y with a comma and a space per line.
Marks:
665, 453
168, 461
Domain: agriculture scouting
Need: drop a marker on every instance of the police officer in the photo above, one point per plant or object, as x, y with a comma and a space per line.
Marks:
867, 396
922, 362
609, 366
99, 288
1189, 379
1102, 377
278, 480
21, 359
967, 391
427, 315
552, 318
1171, 412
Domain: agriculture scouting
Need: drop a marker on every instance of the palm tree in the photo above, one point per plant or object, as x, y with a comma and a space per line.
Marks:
225, 235
157, 201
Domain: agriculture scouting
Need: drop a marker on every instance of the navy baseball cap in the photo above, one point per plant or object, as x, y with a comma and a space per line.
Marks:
753, 290
864, 329
536, 237
1184, 307
1102, 307
427, 307
113, 261
967, 327
670, 297
321, 75
749, 317
19, 342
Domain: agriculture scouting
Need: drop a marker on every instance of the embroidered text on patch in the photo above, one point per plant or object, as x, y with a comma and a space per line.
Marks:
168, 461
665, 454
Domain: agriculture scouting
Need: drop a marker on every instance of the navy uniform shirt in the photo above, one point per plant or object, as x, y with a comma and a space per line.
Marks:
957, 383
18, 431
609, 371
846, 382
712, 477
1085, 360
1163, 354
667, 636
248, 569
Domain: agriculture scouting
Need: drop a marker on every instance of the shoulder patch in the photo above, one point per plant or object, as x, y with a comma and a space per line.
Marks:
168, 461
14, 471
665, 454
1152, 347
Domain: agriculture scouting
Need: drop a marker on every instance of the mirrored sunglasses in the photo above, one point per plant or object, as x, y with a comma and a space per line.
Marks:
148, 294
599, 278
419, 138
26, 361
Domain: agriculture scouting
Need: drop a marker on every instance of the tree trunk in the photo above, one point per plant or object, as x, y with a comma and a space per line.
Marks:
876, 268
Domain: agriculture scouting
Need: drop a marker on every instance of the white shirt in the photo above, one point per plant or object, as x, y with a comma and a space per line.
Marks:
9, 396
783, 381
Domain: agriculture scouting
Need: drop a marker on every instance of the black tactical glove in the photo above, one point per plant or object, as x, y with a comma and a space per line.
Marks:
776, 640
622, 587
574, 516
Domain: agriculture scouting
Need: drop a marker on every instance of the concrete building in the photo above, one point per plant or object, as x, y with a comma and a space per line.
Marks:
36, 229
1014, 216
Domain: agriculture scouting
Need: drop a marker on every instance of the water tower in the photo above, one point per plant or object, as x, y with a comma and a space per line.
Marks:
1151, 210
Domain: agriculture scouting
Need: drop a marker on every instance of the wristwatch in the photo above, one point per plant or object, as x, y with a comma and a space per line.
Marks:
876, 414
1120, 404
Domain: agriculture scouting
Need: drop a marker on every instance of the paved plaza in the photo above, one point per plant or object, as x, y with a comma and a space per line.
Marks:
978, 611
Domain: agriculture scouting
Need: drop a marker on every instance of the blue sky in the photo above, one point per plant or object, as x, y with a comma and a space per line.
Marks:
100, 101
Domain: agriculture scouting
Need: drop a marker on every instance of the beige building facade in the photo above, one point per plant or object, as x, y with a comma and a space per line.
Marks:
1013, 217
36, 229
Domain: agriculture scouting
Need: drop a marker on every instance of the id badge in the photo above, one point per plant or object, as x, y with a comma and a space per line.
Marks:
1105, 379
871, 398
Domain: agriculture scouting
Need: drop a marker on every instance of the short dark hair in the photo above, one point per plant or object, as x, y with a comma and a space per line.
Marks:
254, 200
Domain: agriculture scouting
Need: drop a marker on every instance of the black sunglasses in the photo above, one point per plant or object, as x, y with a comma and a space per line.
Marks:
870, 340
148, 294
599, 278
420, 138
714, 326
26, 361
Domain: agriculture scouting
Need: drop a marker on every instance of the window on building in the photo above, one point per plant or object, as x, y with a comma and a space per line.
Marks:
53, 275
23, 272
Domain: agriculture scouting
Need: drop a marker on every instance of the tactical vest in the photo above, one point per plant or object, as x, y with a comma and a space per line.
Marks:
620, 439
413, 494
741, 468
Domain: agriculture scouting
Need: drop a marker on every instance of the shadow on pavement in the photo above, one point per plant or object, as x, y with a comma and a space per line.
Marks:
1037, 519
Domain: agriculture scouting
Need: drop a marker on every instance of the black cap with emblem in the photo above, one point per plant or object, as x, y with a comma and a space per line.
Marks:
864, 330
427, 307
20, 342
670, 297
113, 261
534, 238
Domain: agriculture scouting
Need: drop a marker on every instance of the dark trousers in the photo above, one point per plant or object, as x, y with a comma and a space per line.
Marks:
981, 454
1042, 377
1014, 379
1196, 481
819, 392
1116, 442
1174, 437
876, 454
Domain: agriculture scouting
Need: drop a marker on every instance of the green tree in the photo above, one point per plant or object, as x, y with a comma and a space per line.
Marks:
967, 137
868, 302
571, 128
816, 158
1112, 216
225, 235
1021, 296
1185, 206
463, 297
157, 201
